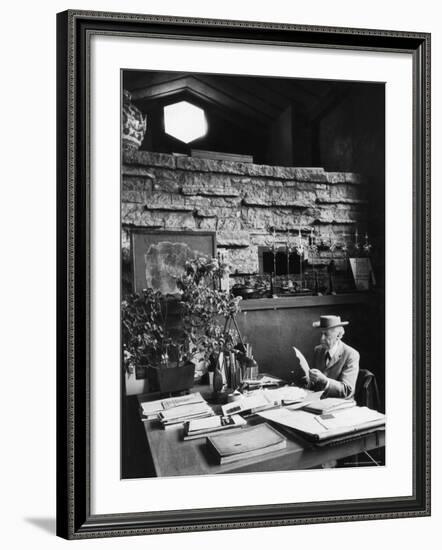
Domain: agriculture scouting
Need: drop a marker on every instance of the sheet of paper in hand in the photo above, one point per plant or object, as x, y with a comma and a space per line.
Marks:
301, 370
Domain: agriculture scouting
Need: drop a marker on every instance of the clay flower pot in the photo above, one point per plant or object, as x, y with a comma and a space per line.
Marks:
171, 379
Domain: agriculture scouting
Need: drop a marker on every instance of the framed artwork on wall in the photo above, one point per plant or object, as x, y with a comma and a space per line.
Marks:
159, 257
289, 150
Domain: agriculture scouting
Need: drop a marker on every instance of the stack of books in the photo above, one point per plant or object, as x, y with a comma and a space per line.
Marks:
246, 443
203, 427
174, 411
179, 415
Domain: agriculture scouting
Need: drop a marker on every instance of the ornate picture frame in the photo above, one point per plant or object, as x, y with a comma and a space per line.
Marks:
75, 516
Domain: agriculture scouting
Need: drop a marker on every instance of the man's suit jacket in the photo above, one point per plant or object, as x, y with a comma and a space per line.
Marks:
342, 370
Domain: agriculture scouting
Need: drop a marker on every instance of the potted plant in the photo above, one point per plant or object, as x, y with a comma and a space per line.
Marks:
205, 307
147, 330
147, 343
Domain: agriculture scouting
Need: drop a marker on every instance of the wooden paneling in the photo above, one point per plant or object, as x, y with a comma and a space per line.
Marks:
274, 326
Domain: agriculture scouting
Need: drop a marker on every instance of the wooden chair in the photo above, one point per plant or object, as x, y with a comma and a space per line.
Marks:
366, 395
367, 391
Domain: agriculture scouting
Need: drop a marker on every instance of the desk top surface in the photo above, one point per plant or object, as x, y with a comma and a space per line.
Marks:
172, 456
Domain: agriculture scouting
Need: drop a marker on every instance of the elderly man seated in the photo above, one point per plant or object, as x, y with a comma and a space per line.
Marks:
336, 365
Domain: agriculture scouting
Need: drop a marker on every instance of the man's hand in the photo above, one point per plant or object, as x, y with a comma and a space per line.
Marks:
318, 378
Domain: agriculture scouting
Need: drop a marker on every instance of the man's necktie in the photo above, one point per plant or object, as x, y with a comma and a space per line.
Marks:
327, 359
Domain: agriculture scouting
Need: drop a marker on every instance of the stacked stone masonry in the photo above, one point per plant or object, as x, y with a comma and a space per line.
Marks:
241, 202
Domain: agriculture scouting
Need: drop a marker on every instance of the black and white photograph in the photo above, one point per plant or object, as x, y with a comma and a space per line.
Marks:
222, 268
252, 274
243, 275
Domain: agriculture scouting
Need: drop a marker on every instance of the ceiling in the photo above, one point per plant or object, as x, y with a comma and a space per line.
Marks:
246, 100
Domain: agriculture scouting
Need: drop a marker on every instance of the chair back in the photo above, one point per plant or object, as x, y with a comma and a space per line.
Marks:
367, 392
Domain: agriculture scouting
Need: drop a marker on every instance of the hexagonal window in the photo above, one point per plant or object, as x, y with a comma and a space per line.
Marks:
185, 121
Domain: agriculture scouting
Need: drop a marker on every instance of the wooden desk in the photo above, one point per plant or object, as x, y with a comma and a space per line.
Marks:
174, 457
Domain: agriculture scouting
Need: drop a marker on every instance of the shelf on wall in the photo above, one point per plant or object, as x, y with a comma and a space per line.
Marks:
287, 302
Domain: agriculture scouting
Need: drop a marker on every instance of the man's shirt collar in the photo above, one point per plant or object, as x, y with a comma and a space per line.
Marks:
335, 349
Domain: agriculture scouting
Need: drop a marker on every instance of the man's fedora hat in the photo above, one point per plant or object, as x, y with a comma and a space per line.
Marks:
329, 321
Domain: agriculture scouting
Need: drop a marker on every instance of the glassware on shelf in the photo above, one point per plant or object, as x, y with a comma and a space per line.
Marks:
271, 243
367, 245
313, 253
299, 247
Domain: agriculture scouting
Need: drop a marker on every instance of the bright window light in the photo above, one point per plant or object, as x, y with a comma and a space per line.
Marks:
185, 121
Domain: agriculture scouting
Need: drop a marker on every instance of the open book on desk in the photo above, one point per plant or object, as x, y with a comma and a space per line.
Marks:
326, 426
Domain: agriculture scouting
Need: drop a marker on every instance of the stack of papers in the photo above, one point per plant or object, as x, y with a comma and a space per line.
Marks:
285, 395
329, 425
202, 427
176, 416
258, 400
248, 404
151, 409
171, 402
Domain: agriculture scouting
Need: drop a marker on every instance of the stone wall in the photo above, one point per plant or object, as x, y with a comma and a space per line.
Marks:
241, 202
